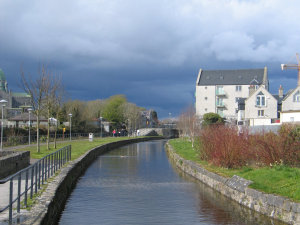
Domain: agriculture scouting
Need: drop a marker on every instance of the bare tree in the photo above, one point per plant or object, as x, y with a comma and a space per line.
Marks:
131, 114
52, 99
187, 124
36, 90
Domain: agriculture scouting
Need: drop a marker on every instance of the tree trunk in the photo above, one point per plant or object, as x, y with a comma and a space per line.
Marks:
55, 136
38, 131
48, 130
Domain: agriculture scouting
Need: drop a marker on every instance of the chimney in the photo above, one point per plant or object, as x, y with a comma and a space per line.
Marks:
251, 90
280, 91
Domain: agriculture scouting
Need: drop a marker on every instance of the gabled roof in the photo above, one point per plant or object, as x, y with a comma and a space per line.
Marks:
232, 77
289, 93
279, 99
260, 91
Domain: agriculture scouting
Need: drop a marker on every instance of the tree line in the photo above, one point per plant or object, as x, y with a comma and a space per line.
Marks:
48, 99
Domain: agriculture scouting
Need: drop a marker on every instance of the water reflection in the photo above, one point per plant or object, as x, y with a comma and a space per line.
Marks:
137, 184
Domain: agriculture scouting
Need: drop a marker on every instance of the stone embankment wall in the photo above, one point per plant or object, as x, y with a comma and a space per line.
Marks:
236, 188
13, 161
51, 203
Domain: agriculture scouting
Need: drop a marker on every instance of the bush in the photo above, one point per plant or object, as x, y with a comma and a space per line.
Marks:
212, 118
282, 148
223, 146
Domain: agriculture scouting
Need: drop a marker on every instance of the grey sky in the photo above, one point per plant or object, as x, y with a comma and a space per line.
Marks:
149, 50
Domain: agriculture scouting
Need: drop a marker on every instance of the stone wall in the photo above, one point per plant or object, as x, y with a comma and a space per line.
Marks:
13, 161
236, 188
51, 203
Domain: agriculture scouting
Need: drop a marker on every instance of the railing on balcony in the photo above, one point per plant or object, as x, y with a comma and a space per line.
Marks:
220, 92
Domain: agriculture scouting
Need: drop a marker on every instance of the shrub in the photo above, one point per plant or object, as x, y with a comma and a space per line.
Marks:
212, 118
224, 146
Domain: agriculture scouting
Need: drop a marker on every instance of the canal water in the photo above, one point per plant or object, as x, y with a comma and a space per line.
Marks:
137, 184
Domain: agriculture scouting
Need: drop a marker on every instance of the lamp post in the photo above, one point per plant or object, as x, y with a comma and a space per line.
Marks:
70, 115
3, 102
29, 111
100, 125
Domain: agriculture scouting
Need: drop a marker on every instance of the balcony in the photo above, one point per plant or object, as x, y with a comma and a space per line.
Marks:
220, 105
220, 92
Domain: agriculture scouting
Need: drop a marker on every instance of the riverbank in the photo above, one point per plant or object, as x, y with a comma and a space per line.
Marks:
49, 204
232, 186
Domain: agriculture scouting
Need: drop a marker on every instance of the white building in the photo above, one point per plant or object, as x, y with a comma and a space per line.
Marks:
260, 108
218, 91
291, 106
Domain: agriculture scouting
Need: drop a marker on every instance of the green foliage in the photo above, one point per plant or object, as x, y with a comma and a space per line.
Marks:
212, 118
113, 110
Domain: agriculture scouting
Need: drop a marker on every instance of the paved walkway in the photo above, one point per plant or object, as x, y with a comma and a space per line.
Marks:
4, 188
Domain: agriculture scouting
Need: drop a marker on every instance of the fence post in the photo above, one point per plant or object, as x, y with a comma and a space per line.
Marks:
19, 193
11, 199
26, 188
49, 157
36, 177
31, 186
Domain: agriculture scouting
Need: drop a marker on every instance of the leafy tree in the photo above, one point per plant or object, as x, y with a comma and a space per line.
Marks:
113, 109
212, 118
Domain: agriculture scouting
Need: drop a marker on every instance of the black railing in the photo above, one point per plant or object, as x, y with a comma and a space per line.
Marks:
30, 179
23, 140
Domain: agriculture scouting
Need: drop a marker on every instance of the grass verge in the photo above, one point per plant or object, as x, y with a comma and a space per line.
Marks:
79, 147
279, 180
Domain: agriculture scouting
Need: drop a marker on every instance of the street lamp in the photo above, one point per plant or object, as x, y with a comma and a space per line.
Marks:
2, 102
70, 115
29, 111
101, 125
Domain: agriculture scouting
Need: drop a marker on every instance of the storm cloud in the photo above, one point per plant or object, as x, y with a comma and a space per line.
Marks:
150, 51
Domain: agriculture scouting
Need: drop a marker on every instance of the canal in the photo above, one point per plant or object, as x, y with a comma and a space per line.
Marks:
137, 184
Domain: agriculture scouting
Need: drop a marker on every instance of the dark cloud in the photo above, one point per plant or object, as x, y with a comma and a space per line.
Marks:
149, 50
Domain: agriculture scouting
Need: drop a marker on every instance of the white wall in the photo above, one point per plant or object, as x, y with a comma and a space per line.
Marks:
204, 105
286, 117
260, 122
270, 110
289, 104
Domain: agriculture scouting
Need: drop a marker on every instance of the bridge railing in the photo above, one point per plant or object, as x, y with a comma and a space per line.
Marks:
29, 180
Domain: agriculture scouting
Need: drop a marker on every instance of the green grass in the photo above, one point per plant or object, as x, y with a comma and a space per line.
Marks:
79, 147
279, 180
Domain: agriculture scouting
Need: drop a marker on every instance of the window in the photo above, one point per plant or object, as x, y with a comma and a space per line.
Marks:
205, 87
205, 109
220, 90
205, 98
260, 99
237, 99
220, 102
220, 112
260, 113
238, 88
297, 96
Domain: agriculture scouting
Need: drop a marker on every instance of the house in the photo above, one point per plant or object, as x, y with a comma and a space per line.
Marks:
260, 107
22, 120
219, 91
291, 106
16, 102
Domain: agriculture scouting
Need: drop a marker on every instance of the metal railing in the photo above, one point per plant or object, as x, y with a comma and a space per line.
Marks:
22, 140
29, 180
